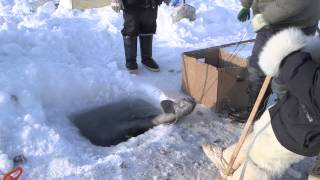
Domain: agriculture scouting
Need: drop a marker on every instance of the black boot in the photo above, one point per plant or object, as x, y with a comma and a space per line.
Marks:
130, 48
146, 53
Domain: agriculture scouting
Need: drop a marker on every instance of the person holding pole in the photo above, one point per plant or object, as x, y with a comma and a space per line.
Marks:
289, 130
270, 17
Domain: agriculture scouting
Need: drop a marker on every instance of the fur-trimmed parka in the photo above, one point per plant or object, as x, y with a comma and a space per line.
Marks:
294, 58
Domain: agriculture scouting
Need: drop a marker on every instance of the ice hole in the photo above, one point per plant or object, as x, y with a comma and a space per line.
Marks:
116, 122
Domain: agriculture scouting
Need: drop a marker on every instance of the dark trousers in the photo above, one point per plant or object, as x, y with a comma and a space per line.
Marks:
139, 21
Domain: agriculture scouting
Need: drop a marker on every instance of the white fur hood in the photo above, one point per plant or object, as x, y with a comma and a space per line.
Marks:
282, 44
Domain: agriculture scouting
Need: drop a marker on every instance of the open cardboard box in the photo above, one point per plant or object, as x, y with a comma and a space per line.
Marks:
215, 78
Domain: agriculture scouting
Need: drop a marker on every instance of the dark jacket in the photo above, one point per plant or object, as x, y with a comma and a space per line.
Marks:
295, 118
141, 3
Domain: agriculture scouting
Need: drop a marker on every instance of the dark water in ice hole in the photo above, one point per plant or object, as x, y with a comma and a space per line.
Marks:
116, 122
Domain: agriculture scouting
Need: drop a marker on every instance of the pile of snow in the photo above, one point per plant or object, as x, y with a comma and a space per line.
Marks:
54, 62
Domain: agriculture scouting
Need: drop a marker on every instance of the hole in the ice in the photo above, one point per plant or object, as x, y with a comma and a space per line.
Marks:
116, 122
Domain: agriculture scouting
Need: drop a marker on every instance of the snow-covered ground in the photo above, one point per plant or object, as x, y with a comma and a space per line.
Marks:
54, 62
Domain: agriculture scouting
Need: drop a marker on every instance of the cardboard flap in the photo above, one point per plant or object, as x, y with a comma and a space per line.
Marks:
200, 80
215, 78
228, 60
210, 56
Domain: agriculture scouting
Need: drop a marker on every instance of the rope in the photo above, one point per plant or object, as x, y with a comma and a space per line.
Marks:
237, 49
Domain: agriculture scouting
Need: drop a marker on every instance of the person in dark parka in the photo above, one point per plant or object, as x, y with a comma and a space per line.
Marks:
140, 18
270, 17
289, 130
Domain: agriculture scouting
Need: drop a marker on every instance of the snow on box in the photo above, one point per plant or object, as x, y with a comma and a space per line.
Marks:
54, 62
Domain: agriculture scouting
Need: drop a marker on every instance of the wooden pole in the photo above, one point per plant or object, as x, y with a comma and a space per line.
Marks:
247, 126
236, 43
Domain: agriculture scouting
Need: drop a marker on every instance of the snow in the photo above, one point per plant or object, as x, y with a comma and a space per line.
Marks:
57, 62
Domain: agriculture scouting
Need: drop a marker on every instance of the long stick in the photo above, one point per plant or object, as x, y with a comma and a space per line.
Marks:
236, 43
247, 126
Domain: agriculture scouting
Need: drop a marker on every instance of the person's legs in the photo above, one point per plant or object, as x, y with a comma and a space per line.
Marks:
130, 49
148, 21
148, 26
227, 153
248, 171
255, 74
261, 157
130, 32
255, 79
221, 157
146, 53
266, 157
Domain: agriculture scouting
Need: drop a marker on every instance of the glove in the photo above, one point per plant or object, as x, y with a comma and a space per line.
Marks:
244, 15
258, 22
116, 5
167, 2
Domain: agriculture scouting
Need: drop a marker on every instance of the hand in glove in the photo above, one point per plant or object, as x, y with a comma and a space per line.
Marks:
258, 22
167, 2
244, 15
116, 5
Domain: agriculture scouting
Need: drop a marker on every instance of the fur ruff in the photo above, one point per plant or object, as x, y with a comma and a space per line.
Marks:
267, 152
279, 46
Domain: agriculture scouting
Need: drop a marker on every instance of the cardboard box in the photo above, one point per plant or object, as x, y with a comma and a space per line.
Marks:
215, 78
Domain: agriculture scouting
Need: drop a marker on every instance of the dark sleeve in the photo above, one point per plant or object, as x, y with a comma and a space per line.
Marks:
246, 3
301, 76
